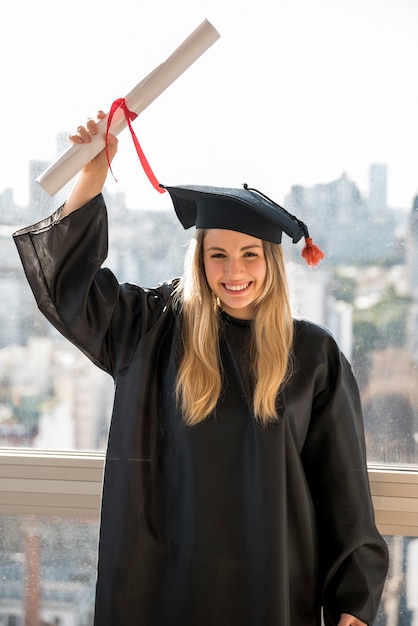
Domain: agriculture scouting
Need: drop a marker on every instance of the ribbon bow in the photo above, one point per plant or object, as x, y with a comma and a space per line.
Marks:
120, 103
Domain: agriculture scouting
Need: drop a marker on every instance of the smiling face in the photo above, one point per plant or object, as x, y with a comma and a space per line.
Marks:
235, 268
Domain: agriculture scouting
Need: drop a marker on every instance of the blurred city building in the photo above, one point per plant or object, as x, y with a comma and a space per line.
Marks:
52, 397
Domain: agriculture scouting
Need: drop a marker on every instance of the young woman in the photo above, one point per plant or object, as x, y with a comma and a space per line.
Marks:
235, 489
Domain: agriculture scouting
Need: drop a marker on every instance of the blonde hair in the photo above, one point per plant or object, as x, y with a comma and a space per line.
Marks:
199, 378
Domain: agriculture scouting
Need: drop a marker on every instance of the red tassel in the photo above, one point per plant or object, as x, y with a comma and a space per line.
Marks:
311, 253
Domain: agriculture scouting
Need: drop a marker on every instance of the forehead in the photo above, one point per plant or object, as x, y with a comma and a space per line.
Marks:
223, 238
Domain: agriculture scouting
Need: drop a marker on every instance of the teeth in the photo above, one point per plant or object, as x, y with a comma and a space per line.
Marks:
236, 287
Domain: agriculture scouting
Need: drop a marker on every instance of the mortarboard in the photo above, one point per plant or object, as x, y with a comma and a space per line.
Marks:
245, 210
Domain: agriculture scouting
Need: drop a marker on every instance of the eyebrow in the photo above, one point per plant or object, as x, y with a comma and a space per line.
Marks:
254, 245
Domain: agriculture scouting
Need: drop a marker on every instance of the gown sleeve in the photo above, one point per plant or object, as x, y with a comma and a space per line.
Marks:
62, 259
353, 555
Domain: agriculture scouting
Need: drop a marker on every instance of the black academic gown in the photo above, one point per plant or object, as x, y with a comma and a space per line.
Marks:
226, 523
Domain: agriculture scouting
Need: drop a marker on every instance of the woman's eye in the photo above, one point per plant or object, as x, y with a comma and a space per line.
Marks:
218, 255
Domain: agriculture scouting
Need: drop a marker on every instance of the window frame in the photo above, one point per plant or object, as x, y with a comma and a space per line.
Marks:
69, 484
44, 482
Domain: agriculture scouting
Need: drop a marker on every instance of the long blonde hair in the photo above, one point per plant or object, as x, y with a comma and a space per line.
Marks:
199, 378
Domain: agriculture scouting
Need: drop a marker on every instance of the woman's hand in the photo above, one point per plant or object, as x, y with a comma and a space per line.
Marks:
92, 177
350, 620
84, 135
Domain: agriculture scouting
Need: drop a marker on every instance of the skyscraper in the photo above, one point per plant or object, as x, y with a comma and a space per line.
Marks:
40, 203
412, 266
378, 189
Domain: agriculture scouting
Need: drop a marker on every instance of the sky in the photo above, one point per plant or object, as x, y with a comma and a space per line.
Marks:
293, 92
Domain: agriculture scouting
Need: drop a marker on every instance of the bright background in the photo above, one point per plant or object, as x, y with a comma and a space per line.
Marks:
294, 91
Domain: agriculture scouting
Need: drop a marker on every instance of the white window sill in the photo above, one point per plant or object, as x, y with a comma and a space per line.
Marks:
69, 484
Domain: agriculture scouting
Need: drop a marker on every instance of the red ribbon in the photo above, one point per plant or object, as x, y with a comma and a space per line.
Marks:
120, 103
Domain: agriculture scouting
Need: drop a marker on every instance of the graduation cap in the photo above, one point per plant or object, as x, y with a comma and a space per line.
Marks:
244, 210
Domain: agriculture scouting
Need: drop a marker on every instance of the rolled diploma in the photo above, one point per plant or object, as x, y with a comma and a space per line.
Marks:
77, 156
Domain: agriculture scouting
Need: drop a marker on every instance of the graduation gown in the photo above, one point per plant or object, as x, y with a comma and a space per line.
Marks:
225, 523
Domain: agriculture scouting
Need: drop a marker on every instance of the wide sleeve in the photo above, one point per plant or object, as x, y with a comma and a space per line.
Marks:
353, 555
62, 260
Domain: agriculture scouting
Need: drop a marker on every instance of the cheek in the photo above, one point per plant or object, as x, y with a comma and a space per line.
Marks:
209, 270
262, 274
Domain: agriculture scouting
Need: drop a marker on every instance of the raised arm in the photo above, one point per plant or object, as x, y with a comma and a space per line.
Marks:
92, 177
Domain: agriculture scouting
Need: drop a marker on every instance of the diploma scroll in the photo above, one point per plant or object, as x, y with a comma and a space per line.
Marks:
77, 156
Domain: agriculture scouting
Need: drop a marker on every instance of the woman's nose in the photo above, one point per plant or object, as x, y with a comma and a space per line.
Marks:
233, 267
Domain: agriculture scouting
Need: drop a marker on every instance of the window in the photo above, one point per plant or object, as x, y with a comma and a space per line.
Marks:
315, 104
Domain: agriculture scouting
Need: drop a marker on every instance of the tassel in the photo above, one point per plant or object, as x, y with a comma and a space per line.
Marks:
311, 253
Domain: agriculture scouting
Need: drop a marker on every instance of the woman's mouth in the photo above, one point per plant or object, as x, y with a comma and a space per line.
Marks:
236, 288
